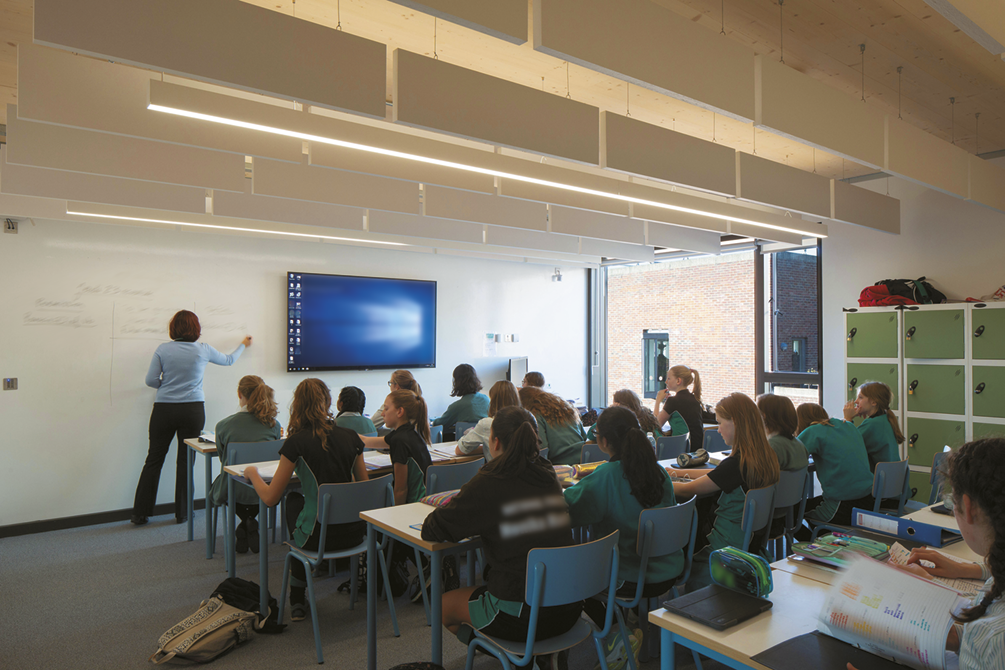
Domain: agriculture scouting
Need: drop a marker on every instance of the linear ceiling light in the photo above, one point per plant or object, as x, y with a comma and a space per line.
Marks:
243, 230
460, 166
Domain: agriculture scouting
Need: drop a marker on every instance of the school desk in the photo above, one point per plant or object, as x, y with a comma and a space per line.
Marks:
796, 603
397, 522
926, 515
208, 450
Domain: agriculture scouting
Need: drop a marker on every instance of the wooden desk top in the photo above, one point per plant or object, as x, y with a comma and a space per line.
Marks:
398, 520
926, 515
797, 601
201, 447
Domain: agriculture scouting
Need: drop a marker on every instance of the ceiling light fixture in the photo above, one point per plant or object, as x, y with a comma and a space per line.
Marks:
461, 166
239, 229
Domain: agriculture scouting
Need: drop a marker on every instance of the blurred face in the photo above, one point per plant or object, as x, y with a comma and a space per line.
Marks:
393, 416
864, 406
674, 384
391, 385
726, 429
524, 383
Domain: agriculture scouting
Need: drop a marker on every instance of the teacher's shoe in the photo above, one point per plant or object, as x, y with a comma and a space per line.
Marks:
138, 520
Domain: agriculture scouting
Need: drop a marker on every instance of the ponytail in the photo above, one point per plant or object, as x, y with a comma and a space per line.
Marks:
415, 411
260, 400
880, 394
404, 380
516, 430
689, 376
619, 427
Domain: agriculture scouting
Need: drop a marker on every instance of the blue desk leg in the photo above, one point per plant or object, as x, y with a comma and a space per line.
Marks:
190, 458
435, 606
228, 538
263, 558
667, 650
371, 597
210, 538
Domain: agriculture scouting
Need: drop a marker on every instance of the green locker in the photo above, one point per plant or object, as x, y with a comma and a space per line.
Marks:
989, 391
926, 437
859, 373
934, 334
988, 430
988, 333
936, 388
872, 335
922, 481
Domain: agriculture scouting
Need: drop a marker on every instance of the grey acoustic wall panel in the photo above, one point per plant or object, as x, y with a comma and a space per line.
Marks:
451, 203
778, 185
502, 19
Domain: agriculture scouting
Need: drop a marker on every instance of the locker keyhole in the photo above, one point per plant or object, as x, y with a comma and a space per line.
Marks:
911, 387
851, 333
980, 388
979, 331
852, 382
910, 332
913, 440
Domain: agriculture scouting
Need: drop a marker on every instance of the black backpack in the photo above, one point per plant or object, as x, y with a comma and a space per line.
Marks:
918, 290
243, 595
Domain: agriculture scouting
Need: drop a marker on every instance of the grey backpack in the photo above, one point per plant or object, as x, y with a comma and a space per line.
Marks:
213, 630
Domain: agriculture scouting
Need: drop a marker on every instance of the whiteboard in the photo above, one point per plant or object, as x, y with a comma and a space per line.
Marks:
86, 304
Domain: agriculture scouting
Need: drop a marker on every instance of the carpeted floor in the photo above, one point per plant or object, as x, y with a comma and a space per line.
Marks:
100, 596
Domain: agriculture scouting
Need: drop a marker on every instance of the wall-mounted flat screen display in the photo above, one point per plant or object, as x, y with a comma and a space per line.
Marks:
339, 322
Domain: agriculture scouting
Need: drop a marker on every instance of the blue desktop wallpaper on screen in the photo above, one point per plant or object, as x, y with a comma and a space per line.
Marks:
360, 322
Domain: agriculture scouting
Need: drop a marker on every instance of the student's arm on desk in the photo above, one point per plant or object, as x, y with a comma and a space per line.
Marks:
701, 486
943, 566
272, 492
374, 442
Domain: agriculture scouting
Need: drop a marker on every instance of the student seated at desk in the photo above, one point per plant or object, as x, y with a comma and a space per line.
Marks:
470, 406
976, 475
879, 428
780, 424
752, 464
488, 507
401, 380
683, 409
629, 399
535, 379
255, 422
320, 452
842, 466
502, 394
612, 498
350, 404
558, 425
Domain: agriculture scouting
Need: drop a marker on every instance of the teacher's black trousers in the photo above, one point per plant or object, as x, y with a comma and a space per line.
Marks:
186, 420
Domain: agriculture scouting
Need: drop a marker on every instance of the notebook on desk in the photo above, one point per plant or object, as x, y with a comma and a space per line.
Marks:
717, 607
821, 652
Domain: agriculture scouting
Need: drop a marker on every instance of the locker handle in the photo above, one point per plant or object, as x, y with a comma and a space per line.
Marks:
914, 438
910, 332
852, 382
979, 389
979, 331
851, 333
913, 385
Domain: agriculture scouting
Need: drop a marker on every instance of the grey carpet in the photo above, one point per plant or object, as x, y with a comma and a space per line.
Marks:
100, 596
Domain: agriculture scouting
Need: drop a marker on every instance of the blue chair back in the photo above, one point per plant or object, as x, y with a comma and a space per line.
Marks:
791, 488
544, 453
564, 575
663, 531
670, 446
937, 477
462, 427
342, 503
440, 478
891, 481
435, 434
712, 441
239, 453
593, 454
758, 508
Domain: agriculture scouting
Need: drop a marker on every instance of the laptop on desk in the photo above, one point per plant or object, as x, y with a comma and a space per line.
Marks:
717, 607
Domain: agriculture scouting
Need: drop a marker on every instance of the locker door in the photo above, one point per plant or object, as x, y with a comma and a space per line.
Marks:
934, 334
988, 430
936, 388
859, 373
989, 391
923, 482
872, 335
988, 333
926, 437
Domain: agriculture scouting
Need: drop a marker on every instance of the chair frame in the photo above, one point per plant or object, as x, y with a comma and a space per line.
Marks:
588, 452
237, 455
668, 443
879, 485
936, 477
535, 596
312, 560
792, 521
751, 509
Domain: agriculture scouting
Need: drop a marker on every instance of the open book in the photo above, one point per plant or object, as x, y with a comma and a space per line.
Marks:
891, 614
968, 588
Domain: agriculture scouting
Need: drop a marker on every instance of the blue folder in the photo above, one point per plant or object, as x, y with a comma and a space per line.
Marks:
905, 529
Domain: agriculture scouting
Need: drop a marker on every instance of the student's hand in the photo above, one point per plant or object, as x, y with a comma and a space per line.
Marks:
661, 396
249, 471
849, 666
914, 569
850, 410
943, 566
246, 341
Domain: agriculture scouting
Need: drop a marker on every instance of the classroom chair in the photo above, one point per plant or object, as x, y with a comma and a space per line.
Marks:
662, 531
712, 441
937, 477
462, 427
670, 446
544, 453
758, 507
891, 481
341, 503
593, 454
435, 434
791, 492
567, 454
240, 453
560, 576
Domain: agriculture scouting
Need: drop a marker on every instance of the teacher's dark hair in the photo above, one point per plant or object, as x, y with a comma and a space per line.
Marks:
351, 399
465, 381
184, 327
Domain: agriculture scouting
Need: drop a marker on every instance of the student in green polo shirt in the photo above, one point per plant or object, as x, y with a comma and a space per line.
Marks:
350, 404
558, 425
879, 428
470, 406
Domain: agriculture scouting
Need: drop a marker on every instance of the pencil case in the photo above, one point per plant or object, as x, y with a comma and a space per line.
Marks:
836, 549
741, 571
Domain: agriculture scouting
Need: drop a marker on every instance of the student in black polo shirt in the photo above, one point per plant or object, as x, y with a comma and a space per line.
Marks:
683, 409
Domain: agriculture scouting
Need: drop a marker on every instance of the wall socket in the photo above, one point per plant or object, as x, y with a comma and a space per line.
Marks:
10, 226
10, 383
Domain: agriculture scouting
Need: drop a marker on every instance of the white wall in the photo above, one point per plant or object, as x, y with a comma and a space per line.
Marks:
85, 305
958, 245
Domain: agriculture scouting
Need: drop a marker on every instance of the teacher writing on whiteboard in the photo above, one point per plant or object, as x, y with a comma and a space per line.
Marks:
176, 372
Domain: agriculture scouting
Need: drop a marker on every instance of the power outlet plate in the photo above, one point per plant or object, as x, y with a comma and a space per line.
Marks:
10, 226
10, 383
